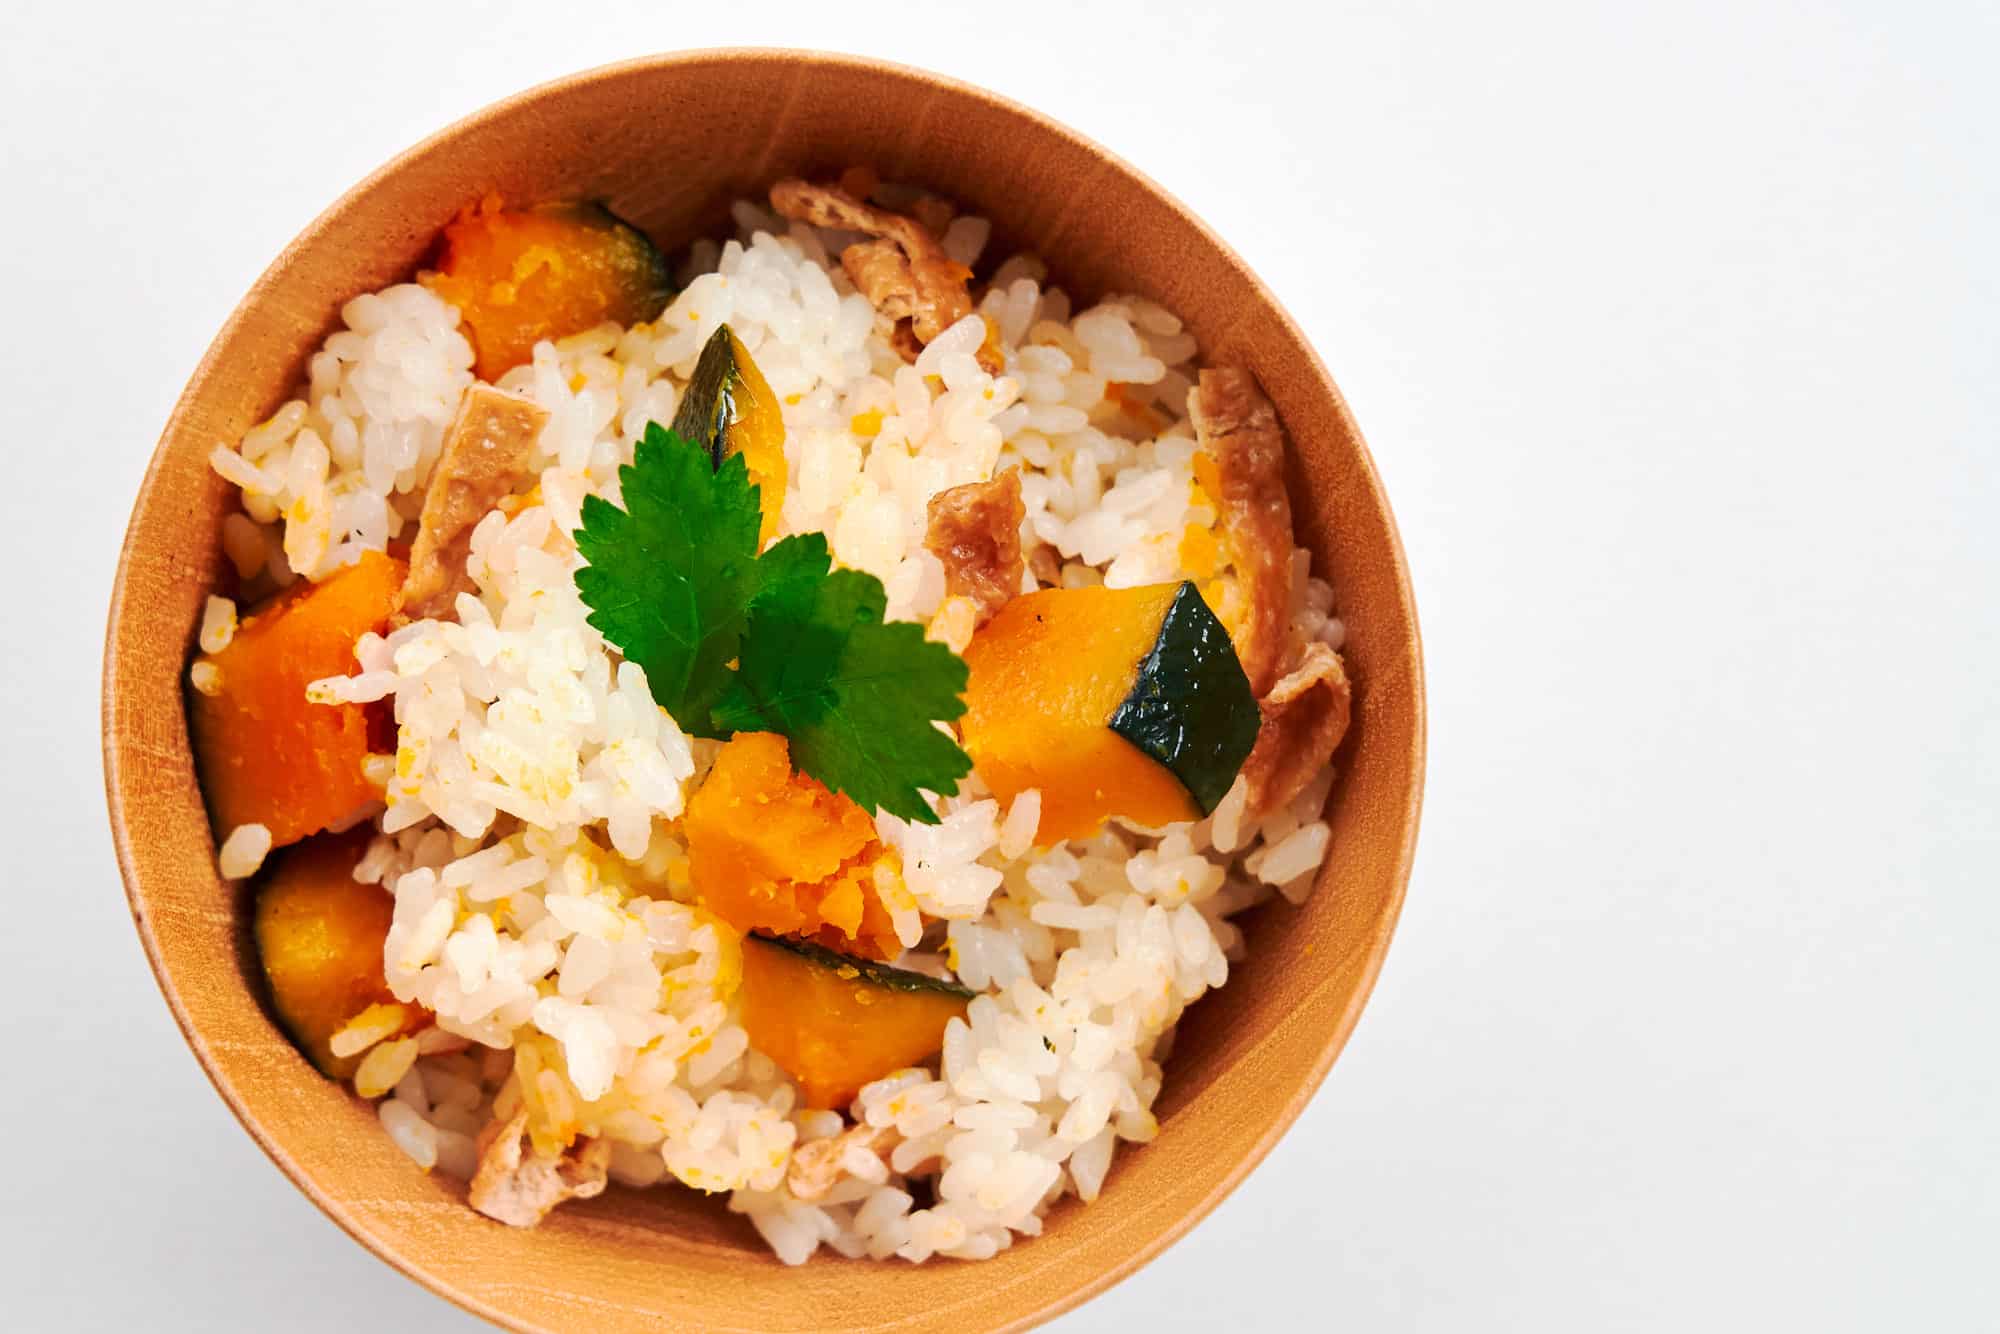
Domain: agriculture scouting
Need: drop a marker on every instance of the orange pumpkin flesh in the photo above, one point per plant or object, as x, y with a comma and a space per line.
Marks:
266, 754
758, 433
771, 850
1046, 675
832, 1025
319, 937
521, 275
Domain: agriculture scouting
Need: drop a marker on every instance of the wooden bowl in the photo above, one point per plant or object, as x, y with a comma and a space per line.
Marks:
668, 141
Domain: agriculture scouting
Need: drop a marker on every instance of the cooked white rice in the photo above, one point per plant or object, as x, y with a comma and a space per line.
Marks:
542, 905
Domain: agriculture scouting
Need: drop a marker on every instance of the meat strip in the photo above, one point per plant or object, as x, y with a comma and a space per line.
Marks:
975, 530
880, 273
1305, 716
486, 456
520, 1191
1238, 428
904, 272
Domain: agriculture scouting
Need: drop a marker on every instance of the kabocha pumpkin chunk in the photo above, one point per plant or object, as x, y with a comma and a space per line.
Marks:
1190, 707
773, 850
1126, 702
730, 409
319, 938
518, 276
835, 1023
267, 754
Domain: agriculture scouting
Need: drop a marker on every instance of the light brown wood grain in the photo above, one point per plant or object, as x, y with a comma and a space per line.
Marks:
668, 142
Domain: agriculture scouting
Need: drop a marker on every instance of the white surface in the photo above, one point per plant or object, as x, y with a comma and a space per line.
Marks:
1675, 342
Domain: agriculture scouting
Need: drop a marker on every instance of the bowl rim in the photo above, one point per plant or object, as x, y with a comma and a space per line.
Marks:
274, 275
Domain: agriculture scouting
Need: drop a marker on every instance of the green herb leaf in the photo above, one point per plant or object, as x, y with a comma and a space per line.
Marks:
855, 694
672, 573
734, 641
787, 573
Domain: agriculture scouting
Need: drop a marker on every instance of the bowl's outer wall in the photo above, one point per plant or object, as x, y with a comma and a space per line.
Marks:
668, 142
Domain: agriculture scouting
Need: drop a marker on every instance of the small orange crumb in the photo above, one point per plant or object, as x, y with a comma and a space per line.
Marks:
1206, 475
989, 348
1129, 403
1199, 552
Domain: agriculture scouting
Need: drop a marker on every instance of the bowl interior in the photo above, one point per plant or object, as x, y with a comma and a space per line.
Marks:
668, 142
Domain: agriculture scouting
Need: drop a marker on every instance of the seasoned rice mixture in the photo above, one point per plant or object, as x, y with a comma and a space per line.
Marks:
580, 1009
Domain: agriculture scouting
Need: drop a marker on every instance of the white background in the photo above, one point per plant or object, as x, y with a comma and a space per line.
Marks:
1674, 337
